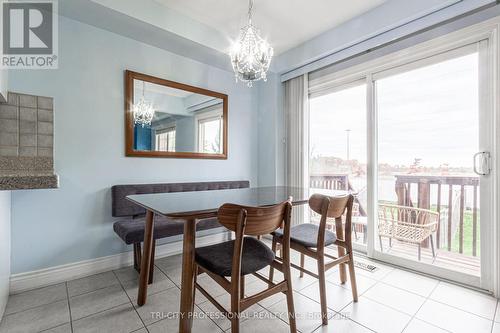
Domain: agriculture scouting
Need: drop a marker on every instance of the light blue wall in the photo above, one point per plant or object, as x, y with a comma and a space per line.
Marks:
5, 213
271, 135
74, 223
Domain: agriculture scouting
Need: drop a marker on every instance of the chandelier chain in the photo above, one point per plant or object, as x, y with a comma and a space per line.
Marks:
250, 54
250, 8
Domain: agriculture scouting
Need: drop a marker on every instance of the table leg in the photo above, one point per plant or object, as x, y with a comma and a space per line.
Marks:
146, 258
187, 283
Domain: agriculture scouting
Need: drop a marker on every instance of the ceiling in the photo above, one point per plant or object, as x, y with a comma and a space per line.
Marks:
285, 23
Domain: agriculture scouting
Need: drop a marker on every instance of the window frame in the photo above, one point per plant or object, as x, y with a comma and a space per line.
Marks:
205, 117
167, 130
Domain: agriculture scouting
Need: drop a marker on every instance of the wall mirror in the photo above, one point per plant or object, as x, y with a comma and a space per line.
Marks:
169, 119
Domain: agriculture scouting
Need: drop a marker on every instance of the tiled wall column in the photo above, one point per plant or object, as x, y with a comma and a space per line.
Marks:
27, 133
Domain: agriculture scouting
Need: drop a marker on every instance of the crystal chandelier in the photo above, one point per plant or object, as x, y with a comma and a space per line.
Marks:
143, 111
250, 55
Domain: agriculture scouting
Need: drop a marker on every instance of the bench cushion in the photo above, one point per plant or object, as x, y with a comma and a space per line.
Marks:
132, 230
306, 234
218, 258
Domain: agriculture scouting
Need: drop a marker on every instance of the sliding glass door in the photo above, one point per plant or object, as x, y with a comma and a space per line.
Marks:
412, 140
337, 148
428, 133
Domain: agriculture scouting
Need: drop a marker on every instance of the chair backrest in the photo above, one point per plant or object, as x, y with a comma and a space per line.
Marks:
333, 207
259, 220
337, 205
406, 214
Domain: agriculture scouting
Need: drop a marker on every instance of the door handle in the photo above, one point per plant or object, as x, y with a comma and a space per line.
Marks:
485, 167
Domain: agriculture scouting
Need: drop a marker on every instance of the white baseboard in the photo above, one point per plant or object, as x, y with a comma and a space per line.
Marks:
57, 274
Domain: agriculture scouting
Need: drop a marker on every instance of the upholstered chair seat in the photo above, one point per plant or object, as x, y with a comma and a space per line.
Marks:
218, 258
306, 234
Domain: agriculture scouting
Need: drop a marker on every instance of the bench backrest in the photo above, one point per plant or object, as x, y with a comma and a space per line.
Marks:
123, 207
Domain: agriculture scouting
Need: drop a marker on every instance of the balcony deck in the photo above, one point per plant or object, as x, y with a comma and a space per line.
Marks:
445, 259
455, 209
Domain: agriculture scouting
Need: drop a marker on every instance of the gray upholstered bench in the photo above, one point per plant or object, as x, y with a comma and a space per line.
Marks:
131, 228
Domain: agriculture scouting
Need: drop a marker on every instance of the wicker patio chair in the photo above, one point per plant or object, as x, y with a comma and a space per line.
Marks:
407, 224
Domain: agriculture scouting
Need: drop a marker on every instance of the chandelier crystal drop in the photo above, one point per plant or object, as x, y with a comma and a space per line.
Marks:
143, 111
251, 54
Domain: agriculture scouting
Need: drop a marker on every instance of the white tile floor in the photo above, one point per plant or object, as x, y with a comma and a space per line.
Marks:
391, 300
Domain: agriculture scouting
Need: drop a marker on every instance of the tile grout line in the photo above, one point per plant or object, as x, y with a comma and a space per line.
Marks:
168, 277
457, 308
69, 307
454, 307
433, 325
412, 316
299, 291
223, 330
93, 314
32, 308
345, 306
432, 291
406, 290
153, 293
428, 298
71, 320
393, 308
130, 301
88, 292
440, 279
213, 322
274, 313
415, 272
208, 316
494, 317
352, 302
49, 329
37, 306
263, 308
421, 306
111, 308
385, 283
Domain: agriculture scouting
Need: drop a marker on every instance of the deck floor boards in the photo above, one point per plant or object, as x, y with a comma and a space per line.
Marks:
445, 259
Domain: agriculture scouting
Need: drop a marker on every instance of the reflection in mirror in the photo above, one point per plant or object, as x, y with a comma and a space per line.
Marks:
183, 121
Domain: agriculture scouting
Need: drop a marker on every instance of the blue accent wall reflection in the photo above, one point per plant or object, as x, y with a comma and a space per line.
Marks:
142, 137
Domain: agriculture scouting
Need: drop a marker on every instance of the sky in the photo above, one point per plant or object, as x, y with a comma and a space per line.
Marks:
429, 113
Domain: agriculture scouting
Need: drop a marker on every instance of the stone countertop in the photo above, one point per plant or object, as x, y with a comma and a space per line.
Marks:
22, 181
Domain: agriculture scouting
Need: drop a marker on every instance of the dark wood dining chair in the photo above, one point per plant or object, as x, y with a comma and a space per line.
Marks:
247, 255
311, 239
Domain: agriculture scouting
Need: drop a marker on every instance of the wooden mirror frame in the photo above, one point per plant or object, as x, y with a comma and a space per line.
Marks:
130, 76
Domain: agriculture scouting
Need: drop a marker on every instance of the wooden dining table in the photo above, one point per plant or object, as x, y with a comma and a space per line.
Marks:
191, 207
